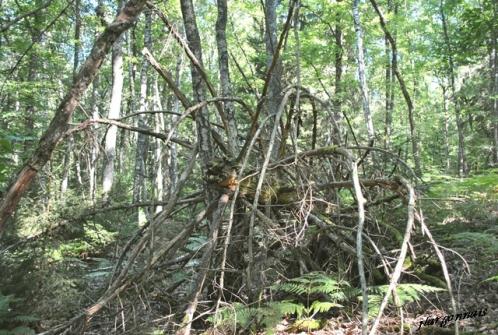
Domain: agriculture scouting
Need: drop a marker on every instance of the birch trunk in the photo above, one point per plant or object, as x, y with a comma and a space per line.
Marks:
114, 113
361, 73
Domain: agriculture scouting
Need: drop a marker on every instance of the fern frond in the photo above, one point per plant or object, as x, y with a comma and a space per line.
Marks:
318, 306
406, 293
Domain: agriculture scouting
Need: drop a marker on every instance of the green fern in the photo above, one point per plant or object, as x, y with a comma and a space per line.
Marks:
492, 278
8, 318
484, 241
314, 282
269, 314
406, 293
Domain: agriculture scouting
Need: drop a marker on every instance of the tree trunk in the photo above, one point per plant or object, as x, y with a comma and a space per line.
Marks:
494, 79
221, 42
92, 163
176, 108
362, 74
142, 143
446, 125
456, 105
69, 153
406, 95
274, 87
337, 101
390, 56
158, 150
114, 113
205, 146
203, 127
60, 122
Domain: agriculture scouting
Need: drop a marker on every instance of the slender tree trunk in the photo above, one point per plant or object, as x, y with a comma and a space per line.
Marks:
158, 152
60, 123
176, 108
274, 87
446, 129
221, 42
92, 164
456, 105
337, 101
494, 74
390, 56
69, 153
141, 151
114, 113
361, 72
406, 95
205, 146
203, 127
34, 64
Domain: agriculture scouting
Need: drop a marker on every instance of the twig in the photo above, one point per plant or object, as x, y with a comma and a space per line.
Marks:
402, 255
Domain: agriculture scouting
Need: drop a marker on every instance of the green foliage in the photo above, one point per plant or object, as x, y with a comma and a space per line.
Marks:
406, 293
12, 323
303, 288
267, 315
491, 279
315, 283
486, 242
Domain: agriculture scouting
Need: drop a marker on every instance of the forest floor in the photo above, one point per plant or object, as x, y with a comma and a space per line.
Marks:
463, 217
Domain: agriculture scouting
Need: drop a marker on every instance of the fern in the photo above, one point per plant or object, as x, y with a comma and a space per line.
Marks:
406, 293
269, 314
484, 241
314, 282
8, 318
492, 278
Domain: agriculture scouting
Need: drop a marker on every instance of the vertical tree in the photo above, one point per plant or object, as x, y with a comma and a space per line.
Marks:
205, 146
142, 141
114, 113
494, 79
362, 74
274, 87
414, 139
390, 59
225, 82
338, 55
69, 153
454, 99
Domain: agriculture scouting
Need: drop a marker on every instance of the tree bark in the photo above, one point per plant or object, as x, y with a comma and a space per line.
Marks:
390, 59
451, 72
446, 129
92, 163
114, 113
406, 95
204, 141
361, 72
203, 127
60, 122
274, 86
225, 82
159, 159
69, 155
338, 55
142, 143
494, 73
